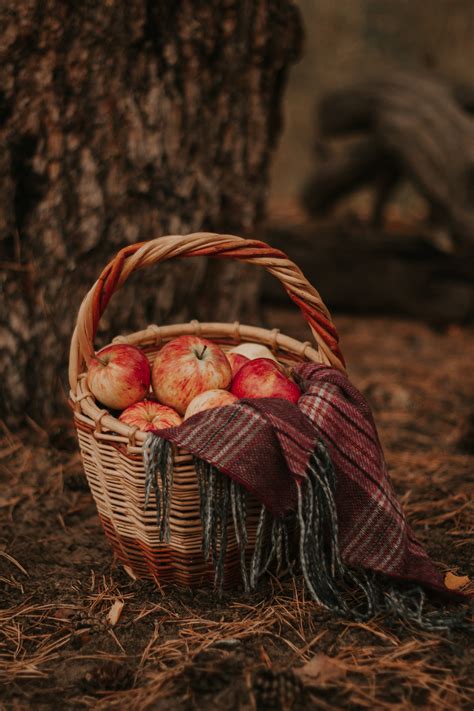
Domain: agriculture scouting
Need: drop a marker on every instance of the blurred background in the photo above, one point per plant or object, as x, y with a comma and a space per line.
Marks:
341, 133
372, 184
349, 40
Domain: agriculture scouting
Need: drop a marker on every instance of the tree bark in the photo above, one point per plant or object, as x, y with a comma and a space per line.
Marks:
121, 121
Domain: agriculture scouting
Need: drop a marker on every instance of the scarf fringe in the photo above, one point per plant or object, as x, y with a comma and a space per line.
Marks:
329, 581
215, 495
158, 460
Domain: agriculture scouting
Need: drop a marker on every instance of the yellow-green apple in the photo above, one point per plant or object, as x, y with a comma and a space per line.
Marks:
252, 351
262, 378
187, 366
208, 400
236, 360
118, 376
149, 415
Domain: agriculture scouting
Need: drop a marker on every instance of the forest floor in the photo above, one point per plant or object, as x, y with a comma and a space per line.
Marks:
183, 649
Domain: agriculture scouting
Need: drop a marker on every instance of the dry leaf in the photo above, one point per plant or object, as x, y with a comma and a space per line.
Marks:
83, 636
130, 572
115, 612
63, 613
456, 582
6, 502
320, 670
264, 657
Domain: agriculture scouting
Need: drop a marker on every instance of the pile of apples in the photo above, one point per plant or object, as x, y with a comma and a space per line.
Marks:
190, 374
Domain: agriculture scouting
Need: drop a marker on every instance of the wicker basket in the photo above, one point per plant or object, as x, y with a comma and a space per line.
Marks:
112, 451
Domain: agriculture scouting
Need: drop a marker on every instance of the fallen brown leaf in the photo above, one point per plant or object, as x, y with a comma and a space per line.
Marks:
320, 670
264, 657
115, 612
130, 572
6, 502
456, 582
63, 613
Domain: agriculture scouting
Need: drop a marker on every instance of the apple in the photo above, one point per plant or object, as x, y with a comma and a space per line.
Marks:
262, 378
236, 361
187, 366
208, 400
149, 415
118, 376
252, 351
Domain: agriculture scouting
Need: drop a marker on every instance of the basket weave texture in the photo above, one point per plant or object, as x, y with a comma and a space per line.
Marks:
112, 452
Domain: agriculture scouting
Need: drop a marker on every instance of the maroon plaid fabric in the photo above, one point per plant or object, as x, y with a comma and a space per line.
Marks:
265, 445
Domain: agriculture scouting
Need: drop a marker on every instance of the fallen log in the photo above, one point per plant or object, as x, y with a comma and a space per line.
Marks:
358, 269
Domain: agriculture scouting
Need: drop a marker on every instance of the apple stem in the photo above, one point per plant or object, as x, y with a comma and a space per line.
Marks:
101, 360
201, 355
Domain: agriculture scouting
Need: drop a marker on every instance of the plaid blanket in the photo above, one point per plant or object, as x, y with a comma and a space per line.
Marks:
319, 462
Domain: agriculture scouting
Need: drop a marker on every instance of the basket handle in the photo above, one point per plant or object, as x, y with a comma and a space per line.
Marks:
200, 244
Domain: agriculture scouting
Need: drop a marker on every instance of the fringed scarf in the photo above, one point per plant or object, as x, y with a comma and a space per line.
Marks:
319, 472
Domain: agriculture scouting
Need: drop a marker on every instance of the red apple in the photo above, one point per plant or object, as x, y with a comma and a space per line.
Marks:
236, 361
208, 400
118, 376
187, 366
149, 415
262, 378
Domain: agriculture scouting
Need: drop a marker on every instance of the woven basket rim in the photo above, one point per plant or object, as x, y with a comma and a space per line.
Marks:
107, 427
201, 244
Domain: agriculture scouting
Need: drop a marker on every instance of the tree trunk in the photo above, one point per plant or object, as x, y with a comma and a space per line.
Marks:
121, 121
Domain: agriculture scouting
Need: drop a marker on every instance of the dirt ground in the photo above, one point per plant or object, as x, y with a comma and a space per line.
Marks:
183, 649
